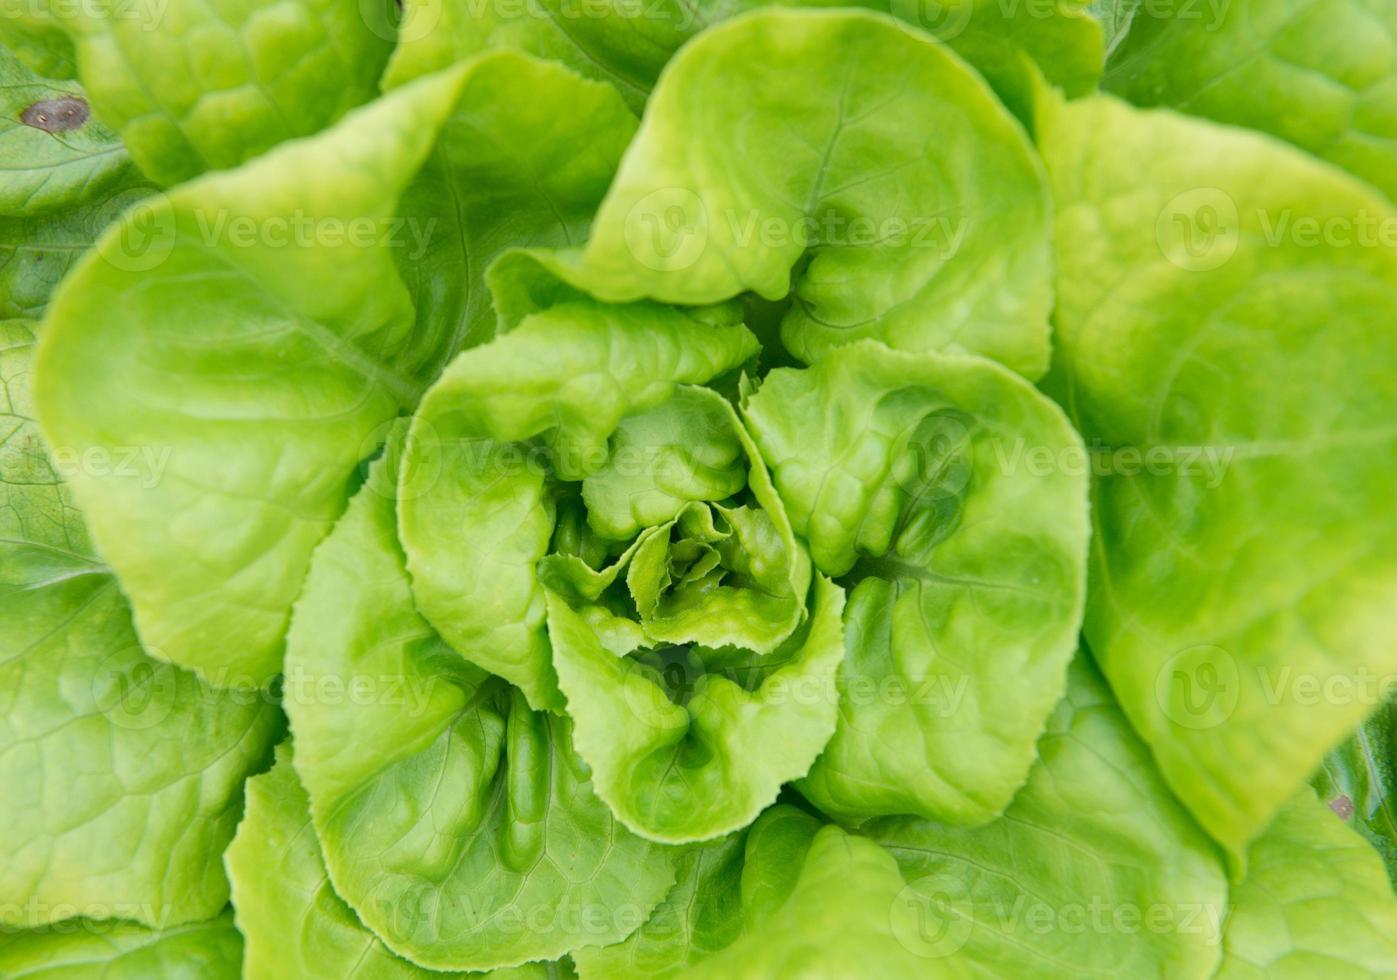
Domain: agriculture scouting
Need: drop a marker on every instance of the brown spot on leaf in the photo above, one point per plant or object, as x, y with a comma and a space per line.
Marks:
1342, 805
56, 115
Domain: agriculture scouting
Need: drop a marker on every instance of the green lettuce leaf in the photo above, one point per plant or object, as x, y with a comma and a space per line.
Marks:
1316, 902
1234, 376
523, 160
198, 343
210, 950
122, 775
673, 743
292, 921
942, 242
457, 823
1358, 781
53, 154
477, 510
816, 901
701, 915
628, 43
1094, 870
942, 490
38, 250
192, 87
1321, 74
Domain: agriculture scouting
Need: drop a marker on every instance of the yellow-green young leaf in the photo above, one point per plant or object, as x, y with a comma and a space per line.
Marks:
1224, 344
293, 924
542, 401
914, 211
695, 752
210, 950
1315, 902
192, 86
1321, 74
459, 825
627, 44
122, 775
950, 497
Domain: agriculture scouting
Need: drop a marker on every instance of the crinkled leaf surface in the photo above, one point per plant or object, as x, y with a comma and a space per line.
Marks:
704, 762
209, 950
1358, 781
122, 775
939, 488
523, 160
292, 921
701, 915
1321, 74
779, 155
1095, 870
457, 823
627, 44
53, 154
1316, 902
200, 345
816, 901
192, 86
476, 506
1242, 576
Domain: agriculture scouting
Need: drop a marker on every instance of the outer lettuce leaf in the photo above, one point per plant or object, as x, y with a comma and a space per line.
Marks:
523, 160
244, 391
52, 152
627, 43
1358, 781
37, 251
210, 950
458, 824
915, 213
701, 915
1115, 17
816, 901
916, 478
1242, 573
476, 510
1316, 902
1094, 870
291, 919
191, 86
39, 43
122, 776
1321, 74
